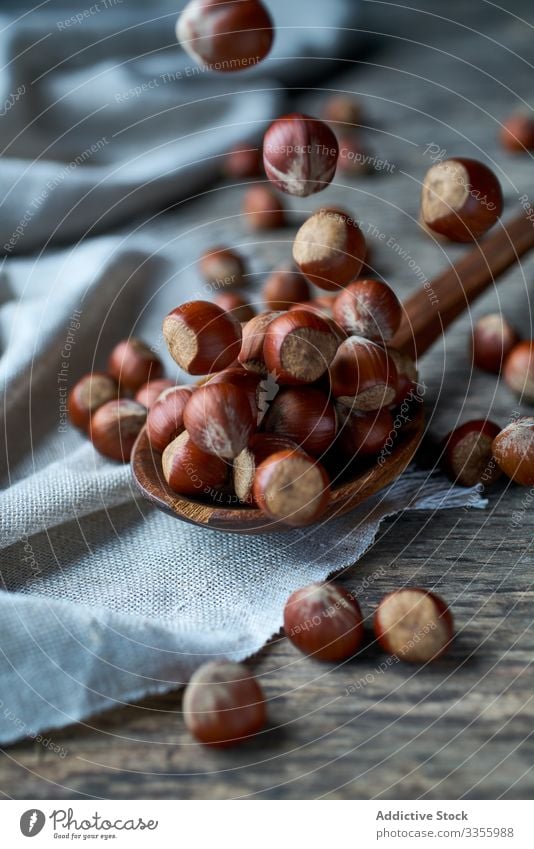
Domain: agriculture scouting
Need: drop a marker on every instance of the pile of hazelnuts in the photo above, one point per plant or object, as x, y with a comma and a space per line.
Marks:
224, 704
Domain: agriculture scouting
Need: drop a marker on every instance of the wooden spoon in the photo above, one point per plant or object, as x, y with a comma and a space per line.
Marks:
427, 314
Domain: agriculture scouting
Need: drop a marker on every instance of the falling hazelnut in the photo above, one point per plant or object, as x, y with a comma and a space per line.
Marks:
300, 154
263, 209
461, 199
330, 249
225, 35
222, 268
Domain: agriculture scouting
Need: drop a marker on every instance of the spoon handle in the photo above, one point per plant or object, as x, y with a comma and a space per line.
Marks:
430, 310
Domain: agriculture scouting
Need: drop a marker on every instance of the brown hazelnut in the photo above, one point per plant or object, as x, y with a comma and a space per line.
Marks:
201, 337
190, 471
91, 392
251, 354
149, 392
517, 133
223, 704
306, 416
222, 268
330, 249
468, 457
263, 209
231, 302
324, 621
219, 419
132, 363
115, 426
414, 625
461, 199
242, 161
299, 346
225, 35
300, 154
368, 308
292, 488
343, 109
260, 447
285, 287
513, 449
165, 420
493, 339
363, 375
519, 371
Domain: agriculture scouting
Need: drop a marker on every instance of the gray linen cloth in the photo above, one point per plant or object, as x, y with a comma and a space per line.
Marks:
103, 598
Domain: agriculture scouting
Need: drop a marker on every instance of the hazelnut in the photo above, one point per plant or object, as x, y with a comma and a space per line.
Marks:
222, 268
201, 337
247, 381
468, 458
263, 209
223, 704
299, 346
368, 308
513, 449
165, 420
363, 375
519, 371
362, 434
461, 199
260, 447
240, 309
324, 621
292, 488
330, 249
149, 392
343, 109
219, 419
300, 154
242, 161
414, 624
225, 35
517, 133
190, 471
251, 354
493, 339
115, 426
91, 392
354, 160
132, 363
285, 287
304, 415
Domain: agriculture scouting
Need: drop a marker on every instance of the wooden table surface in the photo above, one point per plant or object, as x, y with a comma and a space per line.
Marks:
463, 728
